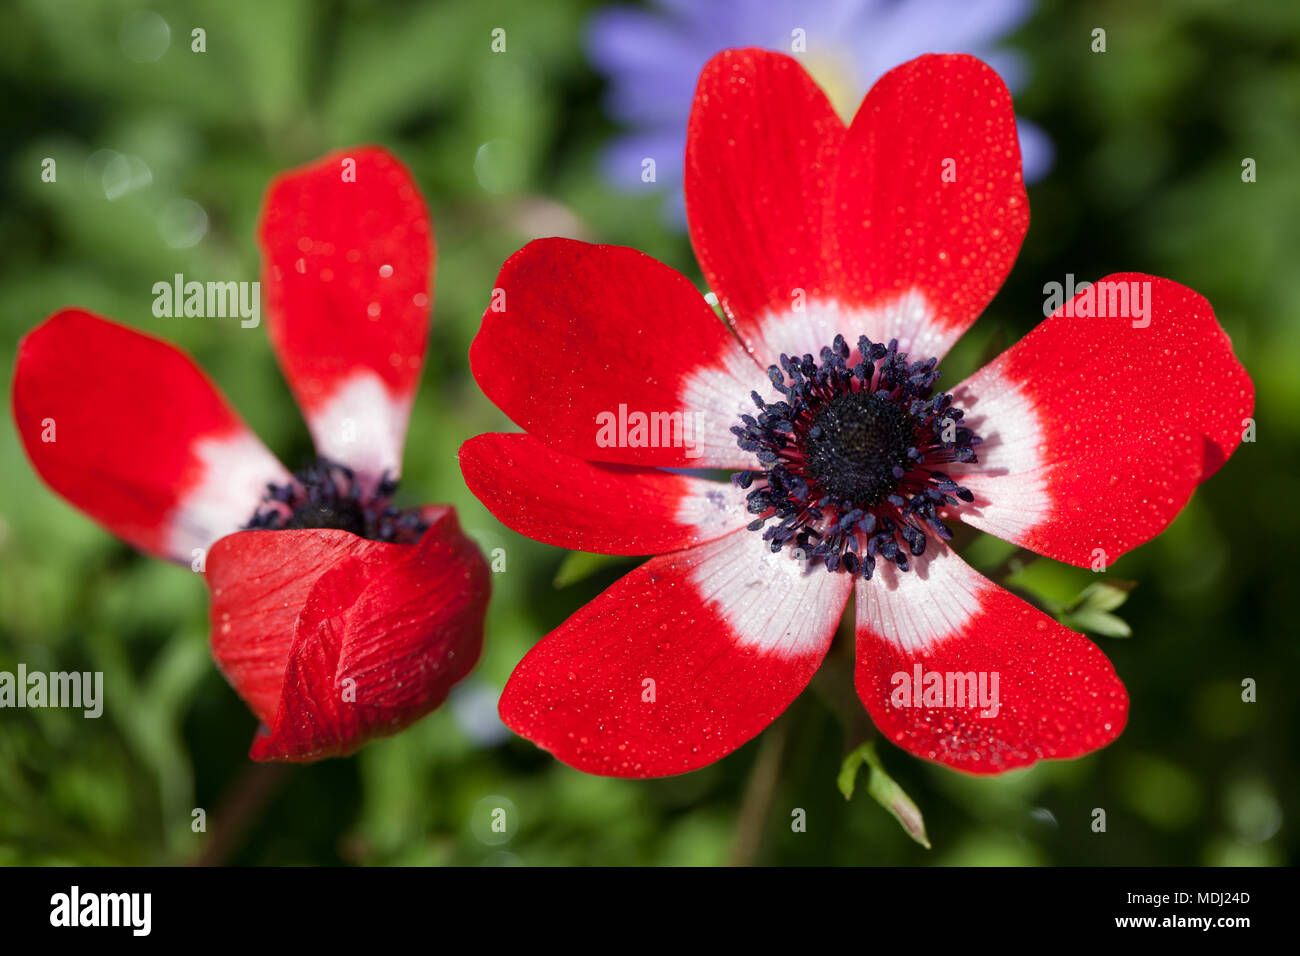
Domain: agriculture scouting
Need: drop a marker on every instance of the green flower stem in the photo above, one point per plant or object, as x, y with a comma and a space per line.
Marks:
833, 682
241, 805
759, 793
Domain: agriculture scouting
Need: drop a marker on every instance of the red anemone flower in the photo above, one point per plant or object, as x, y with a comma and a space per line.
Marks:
338, 617
847, 261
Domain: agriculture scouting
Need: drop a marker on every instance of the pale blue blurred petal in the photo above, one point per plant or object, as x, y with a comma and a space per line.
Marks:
651, 59
1037, 152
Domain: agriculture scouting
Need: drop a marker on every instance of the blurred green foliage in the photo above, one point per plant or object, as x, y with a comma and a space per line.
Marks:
1150, 138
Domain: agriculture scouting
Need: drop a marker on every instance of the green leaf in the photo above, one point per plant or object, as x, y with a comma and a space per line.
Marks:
883, 789
579, 565
1102, 596
1090, 611
848, 777
1097, 622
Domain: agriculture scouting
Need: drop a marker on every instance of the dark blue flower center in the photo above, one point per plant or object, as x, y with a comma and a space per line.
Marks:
851, 457
326, 494
855, 443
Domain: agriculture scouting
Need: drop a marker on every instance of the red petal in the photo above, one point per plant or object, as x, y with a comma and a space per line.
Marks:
347, 263
378, 635
678, 663
142, 441
1097, 432
902, 227
259, 582
760, 151
609, 509
589, 337
1056, 695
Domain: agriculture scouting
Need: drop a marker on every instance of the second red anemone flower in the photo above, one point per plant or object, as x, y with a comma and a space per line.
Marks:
847, 261
336, 616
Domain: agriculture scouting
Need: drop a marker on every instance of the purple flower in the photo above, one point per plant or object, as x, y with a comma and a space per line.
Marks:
652, 57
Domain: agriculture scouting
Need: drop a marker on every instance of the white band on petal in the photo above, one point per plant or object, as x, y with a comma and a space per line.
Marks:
714, 508
235, 473
714, 396
362, 426
772, 602
806, 328
1010, 479
915, 610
